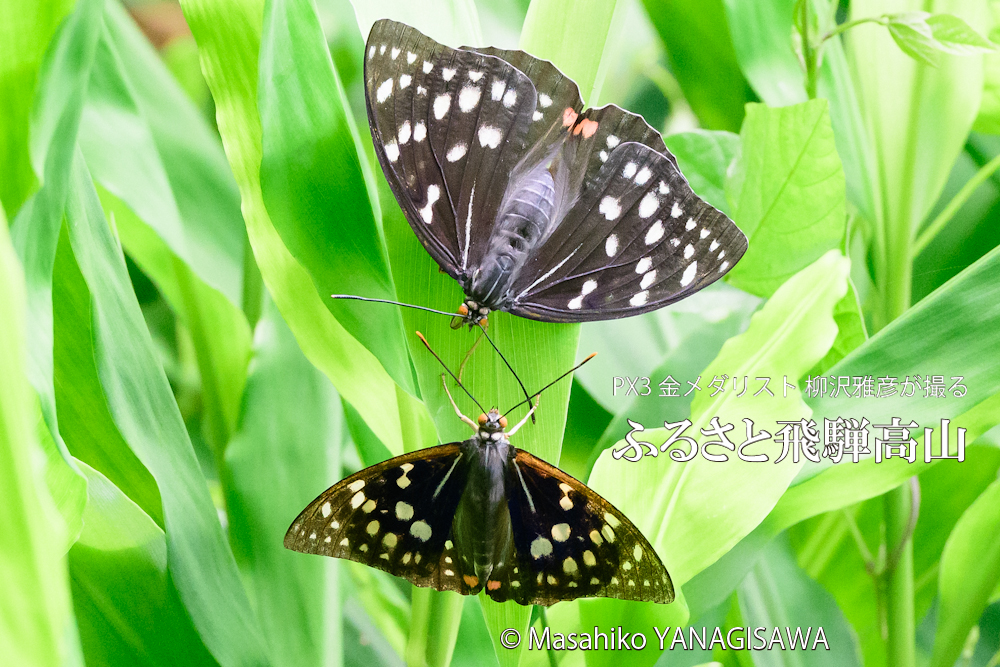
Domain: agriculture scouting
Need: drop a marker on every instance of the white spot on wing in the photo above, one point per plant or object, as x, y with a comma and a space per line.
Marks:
536, 116
603, 155
723, 266
404, 81
496, 90
410, 57
647, 280
384, 90
395, 52
704, 232
404, 511
447, 73
420, 530
689, 273
691, 224
404, 132
540, 547
358, 499
392, 151
490, 136
675, 211
655, 233
419, 131
371, 52
575, 303
648, 205
688, 251
475, 76
428, 66
441, 105
544, 100
372, 527
715, 244
610, 208
613, 141
457, 152
629, 170
356, 485
638, 300
510, 98
643, 265
433, 194
611, 245
469, 98
643, 176
588, 287
561, 532
326, 510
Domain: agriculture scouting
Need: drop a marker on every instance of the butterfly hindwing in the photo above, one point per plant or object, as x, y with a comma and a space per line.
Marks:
571, 542
395, 516
637, 239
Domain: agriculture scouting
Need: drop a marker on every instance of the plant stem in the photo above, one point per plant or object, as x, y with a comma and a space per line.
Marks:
899, 509
810, 51
847, 25
949, 211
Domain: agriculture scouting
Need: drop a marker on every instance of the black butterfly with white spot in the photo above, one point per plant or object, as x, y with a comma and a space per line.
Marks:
533, 205
483, 515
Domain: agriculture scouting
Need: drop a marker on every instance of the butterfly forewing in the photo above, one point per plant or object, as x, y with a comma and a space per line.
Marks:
395, 516
572, 543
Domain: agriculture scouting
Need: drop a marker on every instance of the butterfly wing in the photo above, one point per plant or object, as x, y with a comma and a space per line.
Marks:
395, 516
449, 127
571, 542
636, 239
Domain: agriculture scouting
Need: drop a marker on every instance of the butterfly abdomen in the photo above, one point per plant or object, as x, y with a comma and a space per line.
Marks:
523, 222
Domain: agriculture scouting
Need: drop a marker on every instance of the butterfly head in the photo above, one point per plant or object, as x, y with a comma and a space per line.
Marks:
492, 425
471, 313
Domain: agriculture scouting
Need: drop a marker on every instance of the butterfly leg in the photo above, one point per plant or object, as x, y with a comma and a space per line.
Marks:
458, 412
526, 418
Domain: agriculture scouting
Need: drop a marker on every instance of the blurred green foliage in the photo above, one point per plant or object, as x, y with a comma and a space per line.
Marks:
183, 185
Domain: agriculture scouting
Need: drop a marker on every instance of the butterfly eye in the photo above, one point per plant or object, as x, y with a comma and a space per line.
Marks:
482, 419
503, 422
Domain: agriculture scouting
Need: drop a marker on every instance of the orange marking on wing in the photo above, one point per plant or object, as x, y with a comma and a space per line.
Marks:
492, 585
470, 580
589, 127
569, 117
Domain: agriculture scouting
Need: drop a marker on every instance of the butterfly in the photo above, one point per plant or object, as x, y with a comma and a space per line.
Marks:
483, 515
535, 206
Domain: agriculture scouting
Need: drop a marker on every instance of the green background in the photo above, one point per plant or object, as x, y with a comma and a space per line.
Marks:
183, 185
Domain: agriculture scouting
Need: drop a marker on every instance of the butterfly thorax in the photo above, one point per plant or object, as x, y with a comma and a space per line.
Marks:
524, 220
481, 527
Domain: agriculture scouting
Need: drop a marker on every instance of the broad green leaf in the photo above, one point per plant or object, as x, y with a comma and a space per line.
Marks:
147, 144
851, 331
787, 193
763, 35
697, 38
573, 34
143, 407
228, 36
36, 624
125, 603
631, 617
918, 119
704, 157
958, 37
473, 647
988, 119
970, 570
777, 594
35, 233
914, 37
25, 31
672, 502
288, 442
90, 431
313, 183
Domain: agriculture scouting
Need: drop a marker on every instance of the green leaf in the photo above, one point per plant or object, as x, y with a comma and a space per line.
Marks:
35, 233
786, 337
36, 624
988, 119
142, 404
970, 570
25, 32
91, 434
787, 193
313, 181
451, 22
704, 157
957, 37
698, 43
914, 36
778, 595
762, 35
851, 330
288, 442
228, 36
125, 603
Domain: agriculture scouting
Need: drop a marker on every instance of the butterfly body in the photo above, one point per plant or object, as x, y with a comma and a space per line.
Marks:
482, 515
534, 205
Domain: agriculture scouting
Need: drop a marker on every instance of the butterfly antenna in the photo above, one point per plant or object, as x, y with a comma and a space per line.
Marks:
592, 355
509, 367
428, 346
394, 303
